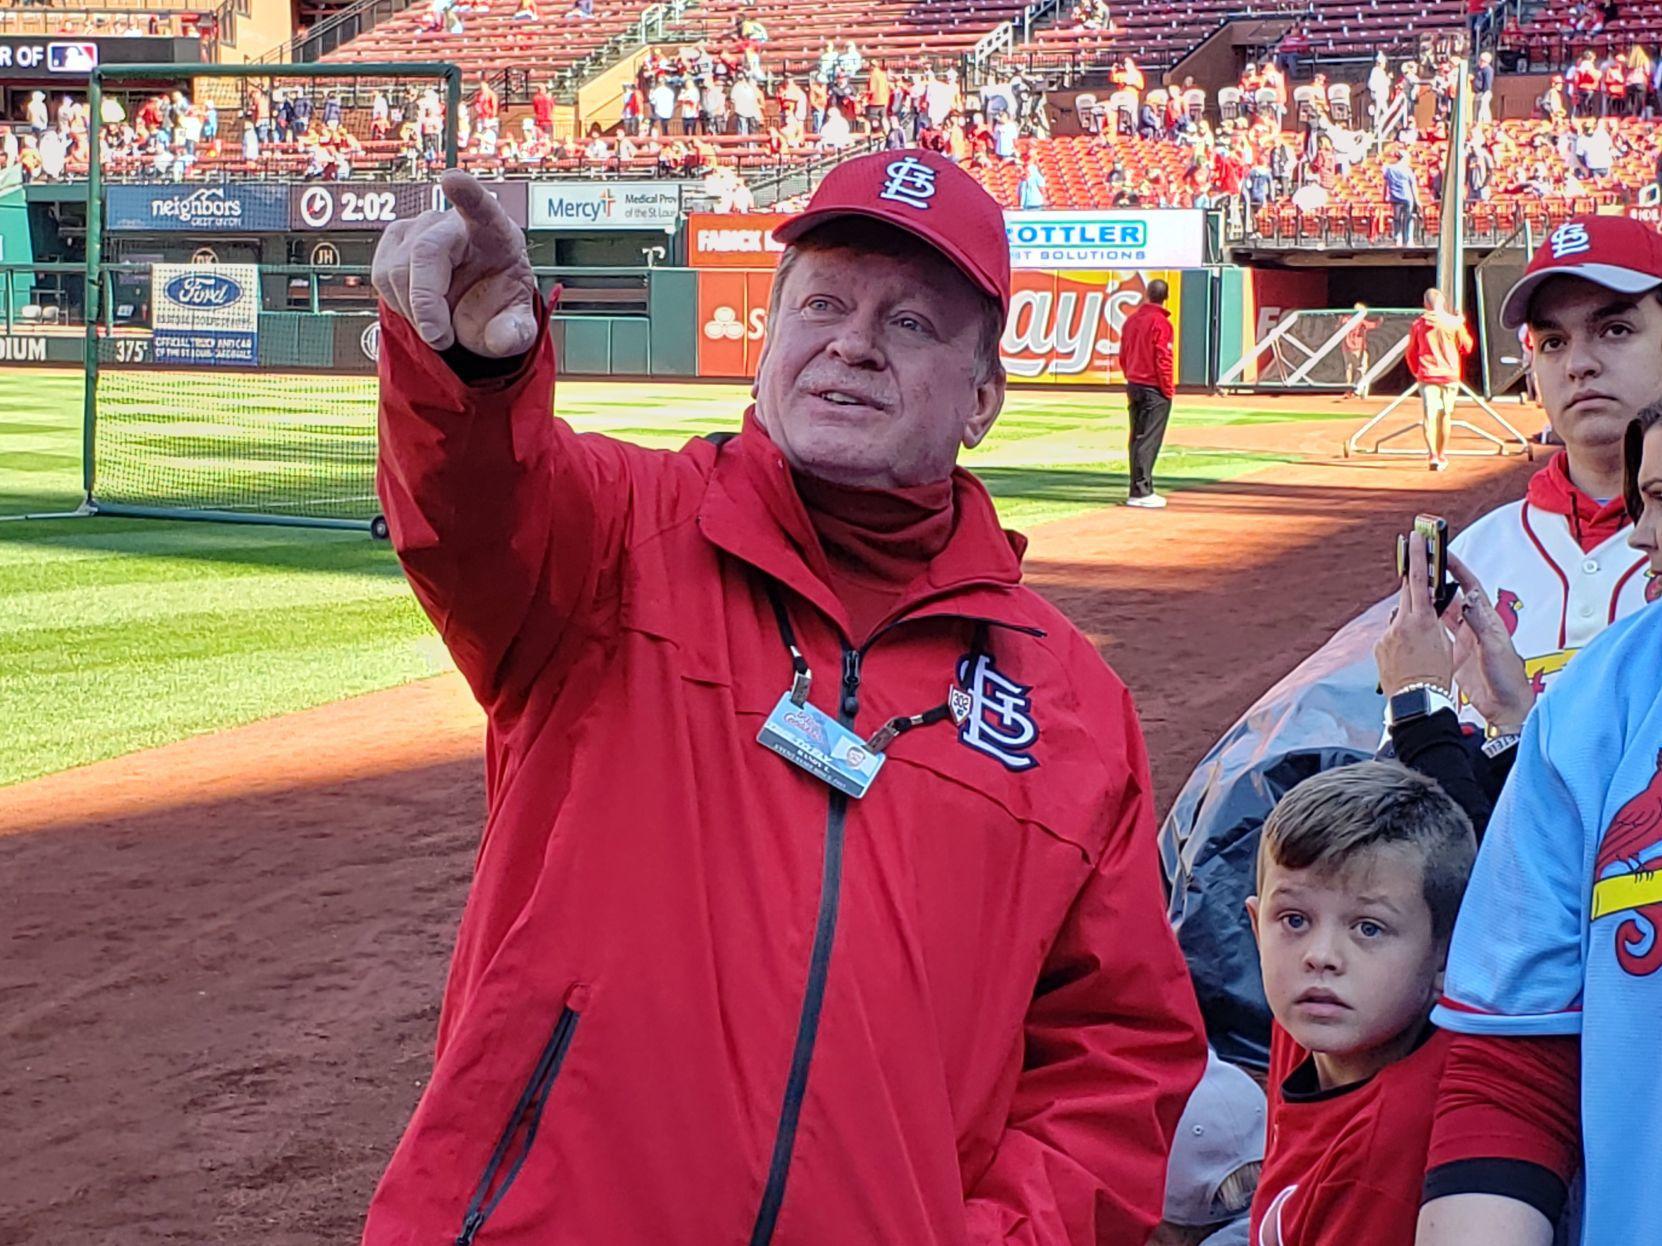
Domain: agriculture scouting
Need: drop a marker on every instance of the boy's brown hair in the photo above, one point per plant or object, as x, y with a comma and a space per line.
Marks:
1328, 820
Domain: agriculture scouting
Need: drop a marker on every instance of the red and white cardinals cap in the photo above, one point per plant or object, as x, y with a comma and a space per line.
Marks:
925, 194
1616, 252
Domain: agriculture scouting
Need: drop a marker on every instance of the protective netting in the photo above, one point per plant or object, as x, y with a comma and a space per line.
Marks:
279, 443
1324, 349
222, 386
1504, 359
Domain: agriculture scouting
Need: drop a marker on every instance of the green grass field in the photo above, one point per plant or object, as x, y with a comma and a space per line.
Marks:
119, 634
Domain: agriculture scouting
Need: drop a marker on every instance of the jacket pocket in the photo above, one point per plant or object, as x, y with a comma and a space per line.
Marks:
518, 1136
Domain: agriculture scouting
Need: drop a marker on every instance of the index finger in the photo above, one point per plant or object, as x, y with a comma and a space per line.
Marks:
1465, 578
473, 203
1418, 579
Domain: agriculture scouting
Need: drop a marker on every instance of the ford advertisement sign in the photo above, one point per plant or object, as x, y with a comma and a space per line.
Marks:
212, 209
204, 289
207, 315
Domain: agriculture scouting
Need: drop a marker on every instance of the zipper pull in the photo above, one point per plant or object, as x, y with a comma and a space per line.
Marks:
470, 1227
851, 683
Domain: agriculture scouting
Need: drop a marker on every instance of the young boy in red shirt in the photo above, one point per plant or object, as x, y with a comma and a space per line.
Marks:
1360, 874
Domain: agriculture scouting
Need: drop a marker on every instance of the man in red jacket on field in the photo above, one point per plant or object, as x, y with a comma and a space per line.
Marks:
817, 900
1437, 348
1150, 381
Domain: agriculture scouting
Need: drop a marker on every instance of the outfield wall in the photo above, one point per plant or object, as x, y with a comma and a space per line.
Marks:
1064, 328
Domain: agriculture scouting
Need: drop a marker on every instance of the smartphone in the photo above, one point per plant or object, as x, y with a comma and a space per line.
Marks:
1433, 530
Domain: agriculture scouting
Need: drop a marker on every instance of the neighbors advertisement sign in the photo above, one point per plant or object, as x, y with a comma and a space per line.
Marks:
215, 209
1063, 327
206, 314
352, 206
717, 240
605, 205
1161, 238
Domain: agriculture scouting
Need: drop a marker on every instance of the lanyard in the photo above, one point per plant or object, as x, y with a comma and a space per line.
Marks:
956, 706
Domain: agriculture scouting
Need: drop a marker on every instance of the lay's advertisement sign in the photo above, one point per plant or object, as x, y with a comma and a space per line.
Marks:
1064, 327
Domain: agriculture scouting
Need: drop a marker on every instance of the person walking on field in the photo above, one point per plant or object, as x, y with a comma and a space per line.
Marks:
1150, 381
1437, 348
1355, 351
818, 899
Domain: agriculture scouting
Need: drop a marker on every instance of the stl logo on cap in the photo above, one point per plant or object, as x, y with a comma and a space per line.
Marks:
911, 182
1570, 239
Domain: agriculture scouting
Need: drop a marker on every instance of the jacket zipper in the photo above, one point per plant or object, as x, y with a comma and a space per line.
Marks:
819, 963
523, 1122
819, 959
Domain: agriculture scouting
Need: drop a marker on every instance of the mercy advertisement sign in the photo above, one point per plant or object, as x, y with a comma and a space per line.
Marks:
605, 205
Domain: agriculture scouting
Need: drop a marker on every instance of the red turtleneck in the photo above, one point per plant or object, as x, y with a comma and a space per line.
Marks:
876, 541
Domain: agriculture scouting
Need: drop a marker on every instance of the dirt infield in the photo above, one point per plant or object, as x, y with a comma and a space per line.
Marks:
224, 957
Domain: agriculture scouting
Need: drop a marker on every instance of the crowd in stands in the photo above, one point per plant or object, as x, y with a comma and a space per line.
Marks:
450, 16
1627, 84
1093, 15
717, 112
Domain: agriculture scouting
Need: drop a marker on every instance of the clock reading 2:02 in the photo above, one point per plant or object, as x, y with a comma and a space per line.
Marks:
353, 206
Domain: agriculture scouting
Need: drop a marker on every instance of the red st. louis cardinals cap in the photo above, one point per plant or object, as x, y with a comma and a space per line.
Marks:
925, 194
1616, 252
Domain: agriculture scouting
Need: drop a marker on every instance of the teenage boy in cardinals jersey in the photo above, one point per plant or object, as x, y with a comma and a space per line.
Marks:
1360, 871
1557, 562
1555, 976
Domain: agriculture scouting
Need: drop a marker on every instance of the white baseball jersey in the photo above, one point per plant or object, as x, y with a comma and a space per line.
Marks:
1553, 596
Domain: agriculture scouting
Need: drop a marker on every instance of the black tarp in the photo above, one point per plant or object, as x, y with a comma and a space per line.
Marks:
1327, 712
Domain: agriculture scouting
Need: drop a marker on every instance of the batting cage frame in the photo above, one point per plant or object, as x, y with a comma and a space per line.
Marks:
98, 272
1295, 361
1451, 272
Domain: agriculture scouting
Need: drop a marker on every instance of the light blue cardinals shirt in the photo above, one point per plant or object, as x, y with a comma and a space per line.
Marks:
1561, 929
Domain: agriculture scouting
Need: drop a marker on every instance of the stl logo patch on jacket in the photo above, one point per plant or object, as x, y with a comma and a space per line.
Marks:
999, 714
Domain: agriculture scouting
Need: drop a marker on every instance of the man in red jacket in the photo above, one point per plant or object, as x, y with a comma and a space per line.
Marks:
1437, 348
817, 900
1150, 381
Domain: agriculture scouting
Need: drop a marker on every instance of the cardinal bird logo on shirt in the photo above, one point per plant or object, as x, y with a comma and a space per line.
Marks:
1507, 605
1628, 882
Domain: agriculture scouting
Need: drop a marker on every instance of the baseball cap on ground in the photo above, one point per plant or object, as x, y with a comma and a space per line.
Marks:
1219, 1147
925, 194
1616, 252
